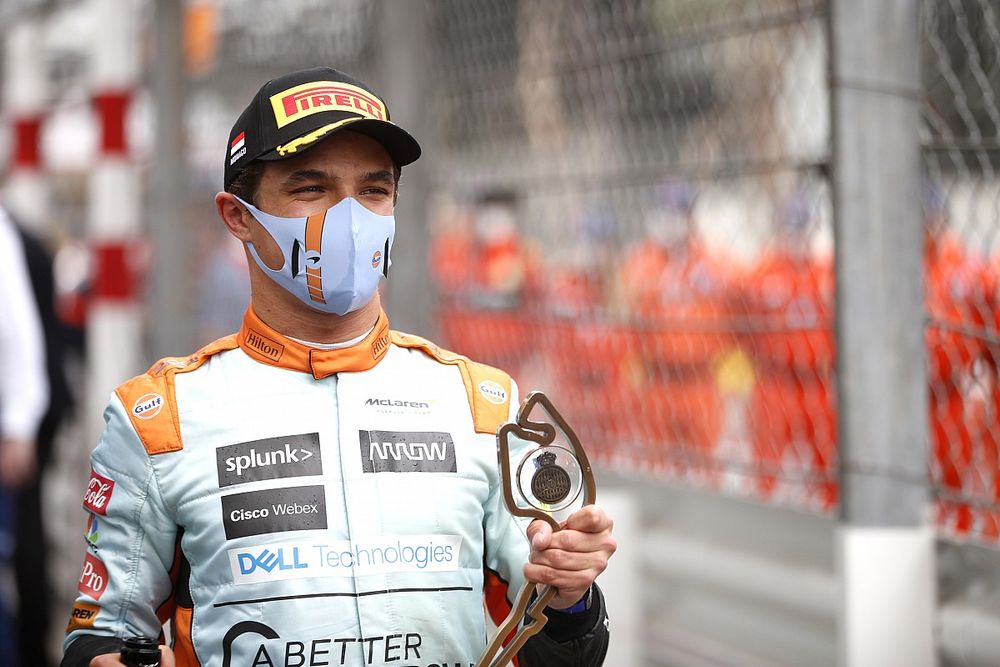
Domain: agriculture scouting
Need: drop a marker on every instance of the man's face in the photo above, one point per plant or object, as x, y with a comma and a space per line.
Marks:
347, 164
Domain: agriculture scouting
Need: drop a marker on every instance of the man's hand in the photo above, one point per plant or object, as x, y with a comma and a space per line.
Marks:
17, 462
113, 659
570, 559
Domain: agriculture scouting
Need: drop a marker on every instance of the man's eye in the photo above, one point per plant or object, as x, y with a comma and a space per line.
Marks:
308, 188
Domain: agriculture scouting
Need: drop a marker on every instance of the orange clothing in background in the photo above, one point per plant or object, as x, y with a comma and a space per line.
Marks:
679, 303
789, 309
491, 282
959, 291
451, 262
987, 410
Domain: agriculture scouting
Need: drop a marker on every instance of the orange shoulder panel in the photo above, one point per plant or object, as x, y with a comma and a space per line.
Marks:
151, 401
488, 388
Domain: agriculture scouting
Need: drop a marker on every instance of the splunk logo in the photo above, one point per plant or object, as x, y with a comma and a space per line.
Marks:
409, 451
271, 458
345, 558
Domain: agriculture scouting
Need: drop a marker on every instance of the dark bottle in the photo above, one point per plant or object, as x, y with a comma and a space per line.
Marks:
141, 652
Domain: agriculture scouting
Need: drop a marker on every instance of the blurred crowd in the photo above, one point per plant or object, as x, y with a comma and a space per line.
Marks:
681, 360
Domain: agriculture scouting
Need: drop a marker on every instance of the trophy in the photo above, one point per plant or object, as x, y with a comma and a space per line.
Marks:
544, 474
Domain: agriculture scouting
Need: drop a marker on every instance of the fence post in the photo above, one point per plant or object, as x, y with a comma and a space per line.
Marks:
170, 288
404, 77
885, 547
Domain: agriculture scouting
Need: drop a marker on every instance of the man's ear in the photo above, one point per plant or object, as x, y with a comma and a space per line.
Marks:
233, 215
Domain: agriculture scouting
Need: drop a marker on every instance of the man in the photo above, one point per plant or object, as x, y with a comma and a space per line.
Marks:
678, 292
24, 397
31, 552
788, 297
317, 489
959, 289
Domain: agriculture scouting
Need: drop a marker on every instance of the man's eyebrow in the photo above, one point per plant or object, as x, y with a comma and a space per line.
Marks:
382, 175
306, 175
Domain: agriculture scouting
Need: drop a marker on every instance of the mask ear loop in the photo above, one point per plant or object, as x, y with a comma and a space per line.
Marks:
541, 433
250, 208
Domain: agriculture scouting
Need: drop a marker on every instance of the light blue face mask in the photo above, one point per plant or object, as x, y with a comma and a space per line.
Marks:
333, 260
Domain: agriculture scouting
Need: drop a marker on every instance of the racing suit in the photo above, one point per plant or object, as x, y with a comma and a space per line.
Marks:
289, 505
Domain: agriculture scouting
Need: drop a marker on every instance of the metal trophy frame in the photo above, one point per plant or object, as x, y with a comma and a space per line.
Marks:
543, 434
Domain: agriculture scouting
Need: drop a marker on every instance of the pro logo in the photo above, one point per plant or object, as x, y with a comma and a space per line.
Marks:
98, 495
94, 578
493, 392
147, 406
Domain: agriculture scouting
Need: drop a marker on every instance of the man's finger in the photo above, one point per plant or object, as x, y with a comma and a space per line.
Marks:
540, 534
589, 519
565, 560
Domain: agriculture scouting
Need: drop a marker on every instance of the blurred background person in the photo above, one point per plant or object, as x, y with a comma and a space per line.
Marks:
588, 351
490, 320
677, 291
504, 268
788, 296
24, 442
451, 251
958, 288
224, 289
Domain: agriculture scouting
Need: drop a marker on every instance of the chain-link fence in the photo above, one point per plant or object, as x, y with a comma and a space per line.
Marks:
634, 214
961, 143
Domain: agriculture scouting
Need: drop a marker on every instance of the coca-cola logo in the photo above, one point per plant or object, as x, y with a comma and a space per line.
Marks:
94, 578
98, 494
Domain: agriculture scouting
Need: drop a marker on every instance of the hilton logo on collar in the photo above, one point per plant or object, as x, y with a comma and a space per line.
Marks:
380, 345
271, 349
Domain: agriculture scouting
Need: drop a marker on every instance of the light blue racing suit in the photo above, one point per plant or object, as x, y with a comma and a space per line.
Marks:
287, 505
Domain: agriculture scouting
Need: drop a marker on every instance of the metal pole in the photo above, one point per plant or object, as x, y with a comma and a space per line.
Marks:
885, 557
170, 289
114, 219
404, 80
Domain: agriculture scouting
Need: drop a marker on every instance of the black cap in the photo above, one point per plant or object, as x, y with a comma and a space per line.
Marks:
292, 113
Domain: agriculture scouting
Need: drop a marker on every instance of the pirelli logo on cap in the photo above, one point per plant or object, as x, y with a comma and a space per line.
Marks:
316, 96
